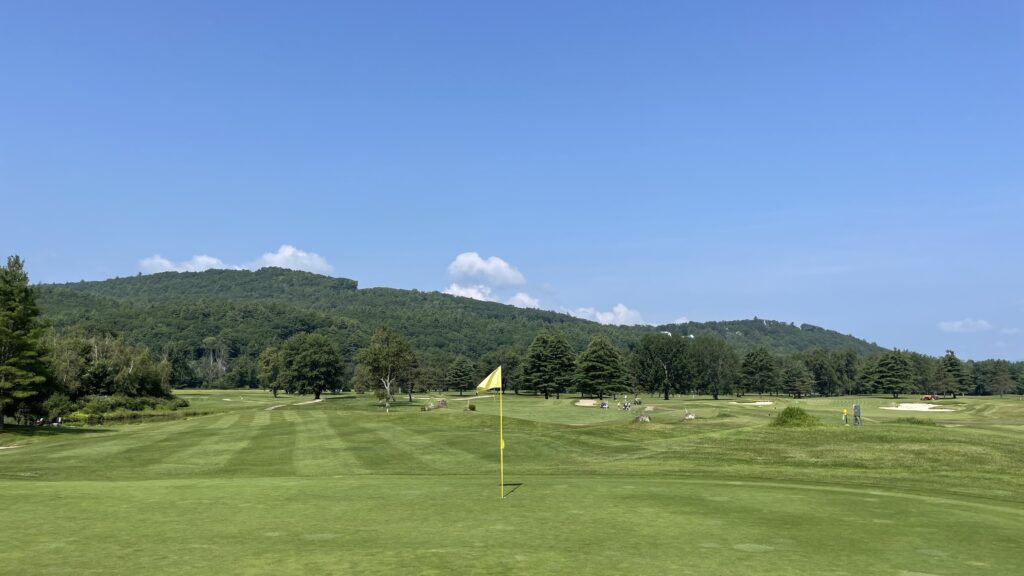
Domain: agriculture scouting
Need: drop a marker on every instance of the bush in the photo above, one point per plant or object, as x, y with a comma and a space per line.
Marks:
793, 417
471, 407
122, 403
59, 405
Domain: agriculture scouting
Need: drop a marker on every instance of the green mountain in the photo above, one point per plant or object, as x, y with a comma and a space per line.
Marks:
243, 311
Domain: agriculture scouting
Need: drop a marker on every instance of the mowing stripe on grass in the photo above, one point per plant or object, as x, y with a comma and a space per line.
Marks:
319, 450
210, 454
269, 452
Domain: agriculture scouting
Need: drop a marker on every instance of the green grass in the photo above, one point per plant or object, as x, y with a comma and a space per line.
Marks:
339, 487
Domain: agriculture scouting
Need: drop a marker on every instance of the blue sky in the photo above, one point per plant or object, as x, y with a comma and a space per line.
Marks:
858, 165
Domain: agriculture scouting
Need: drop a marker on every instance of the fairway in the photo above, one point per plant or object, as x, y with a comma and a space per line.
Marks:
339, 487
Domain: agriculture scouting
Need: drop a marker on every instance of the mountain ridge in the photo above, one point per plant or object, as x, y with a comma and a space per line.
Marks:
258, 308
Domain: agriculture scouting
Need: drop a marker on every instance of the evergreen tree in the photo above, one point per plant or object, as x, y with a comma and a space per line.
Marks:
795, 378
758, 372
461, 375
951, 377
600, 369
893, 374
23, 369
550, 364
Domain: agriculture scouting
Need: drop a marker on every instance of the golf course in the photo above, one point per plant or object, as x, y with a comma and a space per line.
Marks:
257, 484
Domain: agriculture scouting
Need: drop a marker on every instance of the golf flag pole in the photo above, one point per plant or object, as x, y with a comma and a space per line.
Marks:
492, 381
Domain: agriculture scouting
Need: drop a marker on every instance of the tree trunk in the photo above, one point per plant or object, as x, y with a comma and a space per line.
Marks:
666, 392
410, 393
316, 394
545, 394
558, 394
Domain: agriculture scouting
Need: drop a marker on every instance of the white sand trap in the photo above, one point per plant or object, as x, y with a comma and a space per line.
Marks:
758, 403
590, 403
309, 402
276, 406
9, 447
918, 407
474, 397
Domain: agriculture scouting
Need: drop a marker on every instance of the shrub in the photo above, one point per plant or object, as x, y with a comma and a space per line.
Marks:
793, 417
59, 405
471, 407
175, 403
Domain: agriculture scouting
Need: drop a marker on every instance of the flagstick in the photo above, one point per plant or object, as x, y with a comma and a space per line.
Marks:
501, 438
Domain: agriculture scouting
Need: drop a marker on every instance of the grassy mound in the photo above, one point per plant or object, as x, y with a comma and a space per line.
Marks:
793, 417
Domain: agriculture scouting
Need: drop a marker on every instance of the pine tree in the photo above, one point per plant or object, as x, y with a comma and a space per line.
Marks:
950, 376
796, 379
460, 375
600, 369
758, 372
22, 363
893, 374
550, 364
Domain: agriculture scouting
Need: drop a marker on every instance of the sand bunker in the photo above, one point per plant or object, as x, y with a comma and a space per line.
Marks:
9, 447
590, 403
275, 407
759, 403
310, 402
918, 407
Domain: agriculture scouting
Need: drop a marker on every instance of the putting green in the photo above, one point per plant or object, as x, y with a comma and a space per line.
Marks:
341, 488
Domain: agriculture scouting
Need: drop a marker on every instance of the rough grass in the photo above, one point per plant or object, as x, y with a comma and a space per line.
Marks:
340, 487
916, 421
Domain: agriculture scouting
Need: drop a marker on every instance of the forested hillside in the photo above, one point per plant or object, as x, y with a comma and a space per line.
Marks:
246, 311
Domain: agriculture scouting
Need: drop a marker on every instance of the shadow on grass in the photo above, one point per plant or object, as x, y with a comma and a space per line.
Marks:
515, 486
47, 431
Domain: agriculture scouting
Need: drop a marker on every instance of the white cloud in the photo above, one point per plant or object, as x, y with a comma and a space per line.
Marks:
492, 270
619, 314
288, 256
198, 263
967, 325
1012, 331
681, 320
477, 292
524, 300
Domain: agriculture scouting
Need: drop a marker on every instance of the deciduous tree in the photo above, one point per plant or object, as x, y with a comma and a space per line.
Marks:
389, 361
310, 364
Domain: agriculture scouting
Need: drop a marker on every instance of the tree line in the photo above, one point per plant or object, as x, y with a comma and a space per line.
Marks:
47, 371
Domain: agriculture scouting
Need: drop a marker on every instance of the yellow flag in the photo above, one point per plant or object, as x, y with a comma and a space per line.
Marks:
492, 381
